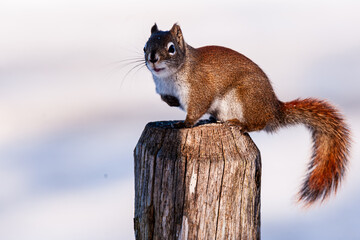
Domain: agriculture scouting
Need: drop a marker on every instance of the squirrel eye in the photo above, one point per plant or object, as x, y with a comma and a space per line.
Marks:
171, 48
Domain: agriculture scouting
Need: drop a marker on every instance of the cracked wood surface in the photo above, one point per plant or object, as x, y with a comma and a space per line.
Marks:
196, 183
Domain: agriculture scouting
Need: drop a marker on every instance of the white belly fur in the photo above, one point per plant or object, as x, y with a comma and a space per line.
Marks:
223, 108
226, 107
172, 87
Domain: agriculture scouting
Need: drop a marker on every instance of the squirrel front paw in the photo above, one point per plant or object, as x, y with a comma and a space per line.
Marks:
182, 124
170, 100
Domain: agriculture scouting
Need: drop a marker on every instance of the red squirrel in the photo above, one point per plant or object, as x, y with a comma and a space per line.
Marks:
234, 90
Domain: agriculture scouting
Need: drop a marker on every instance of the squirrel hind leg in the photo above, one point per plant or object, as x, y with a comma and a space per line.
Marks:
233, 122
236, 123
244, 127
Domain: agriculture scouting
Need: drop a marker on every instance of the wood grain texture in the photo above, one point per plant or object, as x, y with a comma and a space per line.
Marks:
196, 183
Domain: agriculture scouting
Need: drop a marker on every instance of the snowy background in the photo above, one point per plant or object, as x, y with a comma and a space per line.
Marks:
69, 120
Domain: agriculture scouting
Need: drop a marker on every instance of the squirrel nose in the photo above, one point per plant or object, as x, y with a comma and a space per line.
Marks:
153, 58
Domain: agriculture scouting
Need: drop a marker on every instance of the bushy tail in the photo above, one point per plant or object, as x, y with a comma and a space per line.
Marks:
331, 142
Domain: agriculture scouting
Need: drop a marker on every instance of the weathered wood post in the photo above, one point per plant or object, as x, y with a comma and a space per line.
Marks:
196, 183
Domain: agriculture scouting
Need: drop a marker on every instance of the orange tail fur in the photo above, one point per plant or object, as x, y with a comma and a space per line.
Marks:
331, 142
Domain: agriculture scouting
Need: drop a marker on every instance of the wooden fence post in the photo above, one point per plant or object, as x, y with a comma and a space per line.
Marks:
196, 183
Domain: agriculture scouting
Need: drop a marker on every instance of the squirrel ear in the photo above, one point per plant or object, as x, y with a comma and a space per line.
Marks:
176, 32
154, 29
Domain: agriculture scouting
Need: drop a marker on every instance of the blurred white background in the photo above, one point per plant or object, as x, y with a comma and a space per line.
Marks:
69, 121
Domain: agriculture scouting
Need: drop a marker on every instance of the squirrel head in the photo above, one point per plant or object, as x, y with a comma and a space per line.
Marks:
165, 51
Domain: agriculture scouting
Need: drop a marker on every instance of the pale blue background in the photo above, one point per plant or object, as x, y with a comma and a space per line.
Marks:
69, 124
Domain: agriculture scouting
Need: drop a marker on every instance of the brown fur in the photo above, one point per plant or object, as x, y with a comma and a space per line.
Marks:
331, 142
218, 70
212, 72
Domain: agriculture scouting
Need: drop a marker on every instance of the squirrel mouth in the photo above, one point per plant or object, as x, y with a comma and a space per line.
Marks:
158, 69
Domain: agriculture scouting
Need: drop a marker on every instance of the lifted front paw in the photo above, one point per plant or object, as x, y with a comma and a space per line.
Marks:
171, 100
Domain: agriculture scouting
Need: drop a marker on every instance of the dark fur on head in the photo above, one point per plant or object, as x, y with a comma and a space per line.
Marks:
154, 28
158, 44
